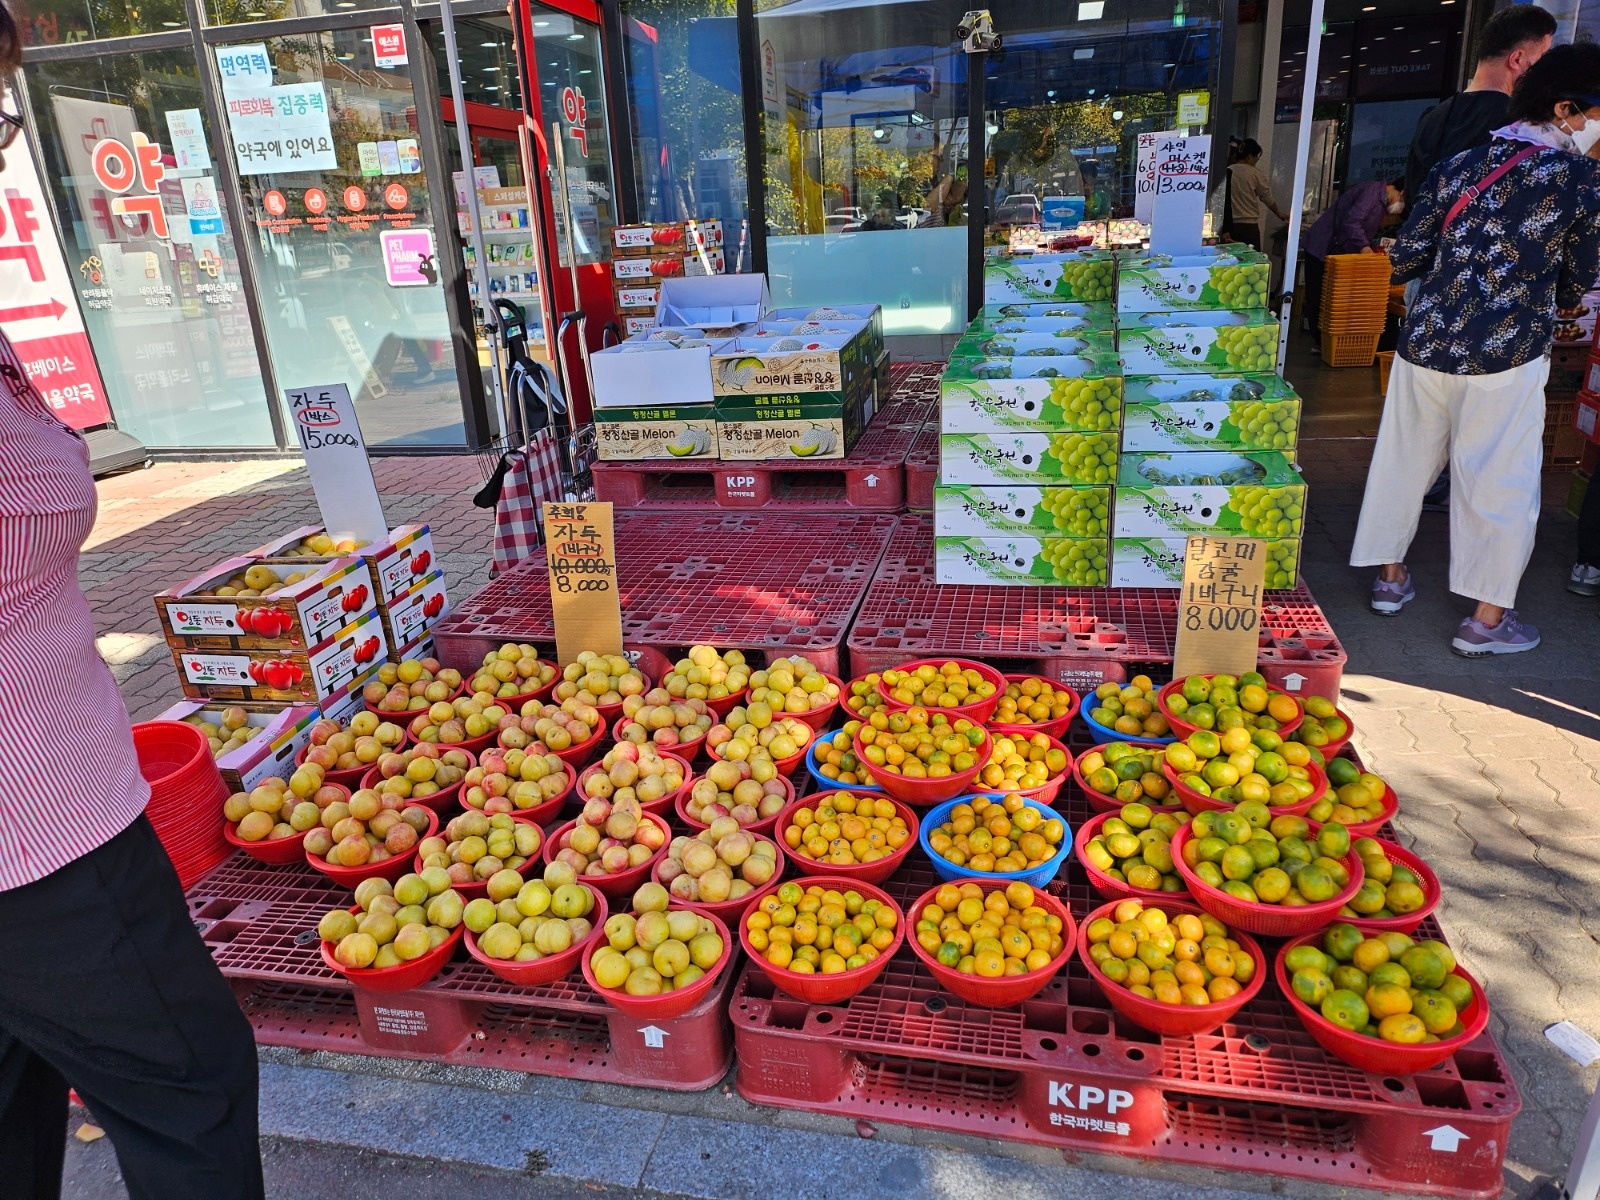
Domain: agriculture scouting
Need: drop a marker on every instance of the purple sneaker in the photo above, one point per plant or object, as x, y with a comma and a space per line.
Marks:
1389, 598
1476, 640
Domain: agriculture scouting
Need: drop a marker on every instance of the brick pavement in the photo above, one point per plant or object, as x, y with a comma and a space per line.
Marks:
1497, 762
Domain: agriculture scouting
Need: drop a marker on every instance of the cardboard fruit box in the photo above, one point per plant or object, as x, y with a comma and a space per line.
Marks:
1029, 511
657, 431
1061, 317
1034, 459
801, 425
1169, 283
1081, 275
1070, 392
1031, 345
1211, 341
1166, 413
1021, 561
396, 562
1158, 562
287, 676
281, 733
1248, 495
766, 365
196, 615
408, 617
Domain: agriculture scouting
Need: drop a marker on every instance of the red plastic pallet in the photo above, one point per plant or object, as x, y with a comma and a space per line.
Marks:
773, 583
1079, 636
1065, 1070
268, 950
922, 467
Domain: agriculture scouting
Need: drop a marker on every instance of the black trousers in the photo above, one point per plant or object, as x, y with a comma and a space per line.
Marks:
1589, 525
106, 986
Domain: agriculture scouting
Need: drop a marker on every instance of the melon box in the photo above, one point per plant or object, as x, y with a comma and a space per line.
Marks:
656, 431
1071, 392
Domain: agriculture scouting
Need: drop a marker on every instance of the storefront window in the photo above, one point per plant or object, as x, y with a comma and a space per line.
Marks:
327, 146
685, 94
237, 12
865, 135
131, 160
58, 22
572, 96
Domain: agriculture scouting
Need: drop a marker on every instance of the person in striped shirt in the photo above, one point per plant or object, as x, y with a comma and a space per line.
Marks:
104, 984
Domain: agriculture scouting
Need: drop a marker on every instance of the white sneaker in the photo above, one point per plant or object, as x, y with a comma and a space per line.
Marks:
1584, 580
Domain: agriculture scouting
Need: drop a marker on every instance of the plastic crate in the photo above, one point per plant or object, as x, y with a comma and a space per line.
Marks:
1065, 1070
268, 950
774, 583
1563, 442
922, 468
1385, 365
1350, 349
1077, 636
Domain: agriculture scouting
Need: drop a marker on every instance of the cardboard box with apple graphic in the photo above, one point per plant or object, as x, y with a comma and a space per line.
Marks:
408, 617
197, 615
295, 676
396, 563
282, 734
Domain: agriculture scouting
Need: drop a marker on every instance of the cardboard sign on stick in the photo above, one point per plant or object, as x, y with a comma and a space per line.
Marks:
336, 455
1219, 614
581, 553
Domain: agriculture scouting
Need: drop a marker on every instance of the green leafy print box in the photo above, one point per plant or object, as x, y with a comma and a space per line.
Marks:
1059, 318
1085, 276
1021, 561
1035, 459
1158, 562
1252, 495
1034, 511
1167, 283
1034, 345
1163, 413
1210, 341
1055, 392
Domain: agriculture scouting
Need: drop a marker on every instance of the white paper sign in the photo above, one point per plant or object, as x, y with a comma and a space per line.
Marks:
282, 129
244, 68
1194, 108
1144, 173
1573, 1042
1182, 174
189, 149
336, 455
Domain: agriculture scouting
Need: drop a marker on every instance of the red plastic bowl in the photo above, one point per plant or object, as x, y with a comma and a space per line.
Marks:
438, 801
553, 967
1431, 891
1046, 792
688, 751
623, 883
730, 911
471, 891
818, 718
927, 791
659, 807
1374, 1054
785, 766
873, 872
763, 826
977, 711
828, 989
1172, 1020
1008, 989
1108, 887
403, 719
473, 746
669, 1004
1056, 727
390, 868
278, 852
1102, 803
173, 755
349, 778
1391, 805
574, 756
514, 704
610, 712
1197, 803
1183, 729
724, 705
550, 809
1265, 920
402, 978
1338, 744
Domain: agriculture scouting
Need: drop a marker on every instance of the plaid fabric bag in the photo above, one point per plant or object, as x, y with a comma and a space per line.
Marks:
522, 481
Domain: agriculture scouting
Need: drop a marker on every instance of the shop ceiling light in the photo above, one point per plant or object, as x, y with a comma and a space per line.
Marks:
574, 37
1083, 52
1116, 115
541, 24
1091, 10
488, 45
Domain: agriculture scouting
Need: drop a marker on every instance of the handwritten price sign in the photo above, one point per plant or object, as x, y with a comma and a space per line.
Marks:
581, 553
1219, 612
1181, 174
336, 456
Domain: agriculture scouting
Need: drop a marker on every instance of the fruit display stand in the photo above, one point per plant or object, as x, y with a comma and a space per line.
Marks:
1078, 636
1064, 1069
769, 582
869, 478
260, 924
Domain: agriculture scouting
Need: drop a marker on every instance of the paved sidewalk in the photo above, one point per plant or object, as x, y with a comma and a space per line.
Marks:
1496, 763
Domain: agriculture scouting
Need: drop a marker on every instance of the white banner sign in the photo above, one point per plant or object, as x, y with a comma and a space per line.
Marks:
1183, 172
244, 68
282, 129
336, 456
1144, 173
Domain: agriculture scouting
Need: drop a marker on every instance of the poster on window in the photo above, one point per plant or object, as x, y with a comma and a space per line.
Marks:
38, 308
281, 129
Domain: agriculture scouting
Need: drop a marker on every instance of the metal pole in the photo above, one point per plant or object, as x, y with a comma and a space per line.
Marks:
491, 324
1291, 250
1267, 97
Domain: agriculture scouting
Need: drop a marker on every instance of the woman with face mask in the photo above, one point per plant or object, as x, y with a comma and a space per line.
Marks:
1349, 227
1498, 238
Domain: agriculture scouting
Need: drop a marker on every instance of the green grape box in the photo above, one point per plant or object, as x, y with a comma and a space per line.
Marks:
1258, 494
1064, 511
1211, 341
1034, 345
1085, 275
1167, 283
1021, 561
1155, 562
1165, 413
1068, 392
1035, 459
1059, 318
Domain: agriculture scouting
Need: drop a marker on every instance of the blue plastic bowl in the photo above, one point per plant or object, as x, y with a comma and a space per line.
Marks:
948, 871
1103, 736
821, 780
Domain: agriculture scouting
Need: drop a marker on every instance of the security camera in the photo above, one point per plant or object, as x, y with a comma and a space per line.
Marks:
976, 32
